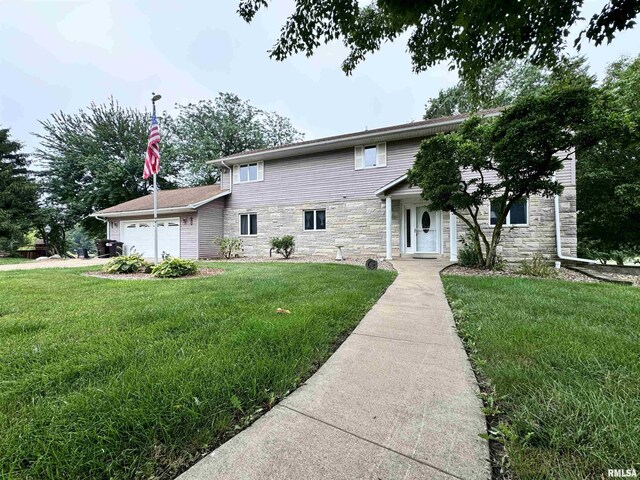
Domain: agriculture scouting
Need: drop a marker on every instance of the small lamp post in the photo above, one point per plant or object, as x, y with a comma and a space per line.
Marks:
47, 231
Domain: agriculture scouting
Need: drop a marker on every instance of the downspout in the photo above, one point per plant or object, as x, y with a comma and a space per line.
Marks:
556, 211
230, 176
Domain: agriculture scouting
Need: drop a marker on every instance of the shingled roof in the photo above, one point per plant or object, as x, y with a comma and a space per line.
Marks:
187, 198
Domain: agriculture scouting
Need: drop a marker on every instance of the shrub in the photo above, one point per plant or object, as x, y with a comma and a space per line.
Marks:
537, 267
468, 255
229, 246
133, 263
284, 245
173, 267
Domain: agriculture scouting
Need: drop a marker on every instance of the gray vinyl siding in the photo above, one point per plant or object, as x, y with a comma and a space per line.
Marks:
332, 176
210, 226
189, 235
328, 176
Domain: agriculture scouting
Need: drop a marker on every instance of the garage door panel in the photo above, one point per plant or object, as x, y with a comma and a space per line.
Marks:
138, 237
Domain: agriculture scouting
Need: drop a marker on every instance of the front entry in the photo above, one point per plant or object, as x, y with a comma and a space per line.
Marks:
422, 229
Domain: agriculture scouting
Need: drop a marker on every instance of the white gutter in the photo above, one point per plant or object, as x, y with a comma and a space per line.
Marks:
230, 176
556, 212
131, 213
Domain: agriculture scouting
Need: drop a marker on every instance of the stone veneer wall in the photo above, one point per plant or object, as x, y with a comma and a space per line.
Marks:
539, 237
359, 225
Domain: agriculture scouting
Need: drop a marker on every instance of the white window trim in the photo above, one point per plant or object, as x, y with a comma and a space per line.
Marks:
248, 224
507, 221
259, 168
378, 147
314, 229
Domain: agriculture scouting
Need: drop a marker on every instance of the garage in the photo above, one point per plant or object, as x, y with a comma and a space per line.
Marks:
137, 237
189, 222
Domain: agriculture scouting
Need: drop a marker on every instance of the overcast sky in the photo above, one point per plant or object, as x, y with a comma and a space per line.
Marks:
62, 55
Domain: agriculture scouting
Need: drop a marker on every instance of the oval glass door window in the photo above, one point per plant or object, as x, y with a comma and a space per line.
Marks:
426, 222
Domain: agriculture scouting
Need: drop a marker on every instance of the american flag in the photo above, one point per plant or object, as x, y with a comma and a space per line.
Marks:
152, 156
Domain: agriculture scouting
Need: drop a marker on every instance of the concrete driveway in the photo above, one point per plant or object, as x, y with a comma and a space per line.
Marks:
397, 400
66, 263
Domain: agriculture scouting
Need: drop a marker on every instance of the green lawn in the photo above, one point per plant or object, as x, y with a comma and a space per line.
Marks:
564, 359
134, 379
12, 260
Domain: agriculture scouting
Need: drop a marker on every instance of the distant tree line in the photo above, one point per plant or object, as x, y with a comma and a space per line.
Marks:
93, 159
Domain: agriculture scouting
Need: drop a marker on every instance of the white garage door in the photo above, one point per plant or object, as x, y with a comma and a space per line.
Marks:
138, 237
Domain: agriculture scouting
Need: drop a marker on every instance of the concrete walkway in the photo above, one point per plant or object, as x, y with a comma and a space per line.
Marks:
67, 263
396, 401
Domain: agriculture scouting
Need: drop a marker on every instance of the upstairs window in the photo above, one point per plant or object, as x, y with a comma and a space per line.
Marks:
370, 156
248, 172
315, 220
518, 213
248, 224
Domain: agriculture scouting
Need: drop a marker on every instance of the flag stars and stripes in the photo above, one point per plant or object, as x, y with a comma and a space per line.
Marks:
152, 155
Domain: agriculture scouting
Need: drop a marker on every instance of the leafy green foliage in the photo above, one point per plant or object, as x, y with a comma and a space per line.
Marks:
229, 246
127, 380
18, 194
470, 34
565, 397
228, 125
500, 84
522, 149
284, 245
93, 159
608, 172
537, 267
470, 254
173, 267
124, 264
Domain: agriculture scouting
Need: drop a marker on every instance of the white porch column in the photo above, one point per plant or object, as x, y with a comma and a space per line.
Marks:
388, 223
453, 237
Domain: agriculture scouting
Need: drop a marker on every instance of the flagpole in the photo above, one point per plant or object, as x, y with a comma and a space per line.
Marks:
155, 201
155, 220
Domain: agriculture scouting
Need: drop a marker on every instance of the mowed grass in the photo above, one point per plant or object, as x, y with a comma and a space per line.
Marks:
136, 379
564, 359
13, 260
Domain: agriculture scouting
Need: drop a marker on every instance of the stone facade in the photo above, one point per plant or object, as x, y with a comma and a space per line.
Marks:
358, 225
539, 236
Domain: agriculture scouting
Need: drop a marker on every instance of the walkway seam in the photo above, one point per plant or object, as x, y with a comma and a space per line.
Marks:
400, 339
372, 442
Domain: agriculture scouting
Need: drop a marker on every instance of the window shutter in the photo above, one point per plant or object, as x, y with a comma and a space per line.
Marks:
359, 157
236, 174
260, 171
381, 161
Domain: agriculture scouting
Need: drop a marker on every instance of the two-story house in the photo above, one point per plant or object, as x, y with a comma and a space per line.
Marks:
348, 190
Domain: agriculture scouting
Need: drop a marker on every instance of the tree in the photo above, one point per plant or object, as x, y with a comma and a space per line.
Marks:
225, 126
94, 159
502, 83
471, 34
504, 159
608, 173
18, 194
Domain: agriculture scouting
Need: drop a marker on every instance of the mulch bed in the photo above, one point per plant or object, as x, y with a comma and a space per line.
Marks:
512, 271
350, 260
203, 272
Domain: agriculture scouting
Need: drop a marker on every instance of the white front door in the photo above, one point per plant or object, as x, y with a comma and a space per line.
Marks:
427, 231
421, 230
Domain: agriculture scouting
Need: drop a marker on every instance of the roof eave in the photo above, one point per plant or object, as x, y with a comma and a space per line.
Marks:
135, 213
382, 191
341, 142
215, 197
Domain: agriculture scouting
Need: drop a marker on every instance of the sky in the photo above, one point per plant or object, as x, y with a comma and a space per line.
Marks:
63, 55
